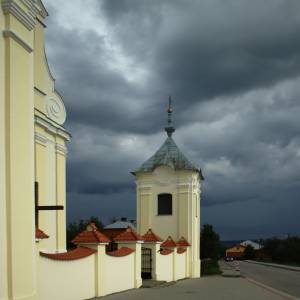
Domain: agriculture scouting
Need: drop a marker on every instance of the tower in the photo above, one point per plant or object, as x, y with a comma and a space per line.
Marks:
168, 196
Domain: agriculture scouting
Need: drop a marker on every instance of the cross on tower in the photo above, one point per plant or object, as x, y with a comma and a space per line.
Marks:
170, 129
42, 207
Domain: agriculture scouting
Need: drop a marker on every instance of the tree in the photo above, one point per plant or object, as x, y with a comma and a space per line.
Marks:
210, 243
74, 228
249, 252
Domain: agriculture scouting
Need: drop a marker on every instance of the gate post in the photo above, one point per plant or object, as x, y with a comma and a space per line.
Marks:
132, 240
93, 238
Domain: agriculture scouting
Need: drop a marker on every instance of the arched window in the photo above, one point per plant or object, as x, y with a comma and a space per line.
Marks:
164, 204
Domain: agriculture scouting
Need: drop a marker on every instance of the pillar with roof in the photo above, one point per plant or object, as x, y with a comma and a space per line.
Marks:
168, 196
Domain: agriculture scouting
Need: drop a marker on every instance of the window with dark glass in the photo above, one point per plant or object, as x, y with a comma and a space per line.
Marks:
164, 204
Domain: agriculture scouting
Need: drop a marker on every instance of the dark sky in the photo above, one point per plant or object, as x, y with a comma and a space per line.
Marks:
233, 70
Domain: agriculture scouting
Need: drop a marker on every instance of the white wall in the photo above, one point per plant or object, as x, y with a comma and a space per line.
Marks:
165, 268
180, 266
66, 280
119, 273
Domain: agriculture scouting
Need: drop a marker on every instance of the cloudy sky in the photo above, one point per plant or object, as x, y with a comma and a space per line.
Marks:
233, 70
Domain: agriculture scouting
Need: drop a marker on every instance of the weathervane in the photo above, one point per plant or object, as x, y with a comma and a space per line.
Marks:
170, 129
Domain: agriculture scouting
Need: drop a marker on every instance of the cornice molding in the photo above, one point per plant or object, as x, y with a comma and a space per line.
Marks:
26, 18
61, 149
53, 129
10, 34
41, 139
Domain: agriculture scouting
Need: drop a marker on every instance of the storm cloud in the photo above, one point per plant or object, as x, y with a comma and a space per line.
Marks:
233, 70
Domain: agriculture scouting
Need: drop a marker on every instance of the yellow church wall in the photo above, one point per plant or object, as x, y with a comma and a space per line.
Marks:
19, 168
60, 200
18, 28
3, 228
66, 280
51, 176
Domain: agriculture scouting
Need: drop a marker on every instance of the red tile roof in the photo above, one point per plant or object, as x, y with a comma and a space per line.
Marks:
90, 236
181, 250
77, 253
169, 243
111, 233
128, 235
166, 251
121, 252
150, 236
39, 234
183, 242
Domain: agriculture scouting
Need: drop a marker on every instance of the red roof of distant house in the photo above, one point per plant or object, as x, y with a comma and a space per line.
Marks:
128, 235
166, 251
183, 242
77, 253
150, 236
39, 234
181, 250
90, 235
121, 252
169, 242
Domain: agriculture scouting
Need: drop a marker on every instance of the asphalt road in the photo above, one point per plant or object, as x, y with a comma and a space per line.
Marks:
283, 280
206, 288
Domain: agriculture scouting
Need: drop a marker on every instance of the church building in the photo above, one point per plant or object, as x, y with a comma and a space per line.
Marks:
168, 196
32, 150
34, 261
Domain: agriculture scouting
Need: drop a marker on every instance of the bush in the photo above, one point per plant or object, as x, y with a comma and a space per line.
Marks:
284, 251
210, 267
210, 243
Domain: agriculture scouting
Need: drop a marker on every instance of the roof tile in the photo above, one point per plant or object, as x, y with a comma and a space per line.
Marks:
166, 251
182, 242
168, 155
121, 252
77, 253
40, 234
128, 235
169, 243
181, 250
90, 235
150, 236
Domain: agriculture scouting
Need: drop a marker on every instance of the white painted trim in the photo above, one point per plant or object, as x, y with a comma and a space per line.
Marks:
7, 33
61, 149
41, 139
60, 131
48, 68
11, 7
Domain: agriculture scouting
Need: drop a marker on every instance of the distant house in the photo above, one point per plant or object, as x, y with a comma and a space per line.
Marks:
254, 245
236, 251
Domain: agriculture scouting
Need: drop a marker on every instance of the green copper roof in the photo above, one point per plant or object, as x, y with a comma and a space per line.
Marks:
168, 155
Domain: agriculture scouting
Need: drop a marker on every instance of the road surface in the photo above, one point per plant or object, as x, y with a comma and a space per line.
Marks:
283, 280
206, 288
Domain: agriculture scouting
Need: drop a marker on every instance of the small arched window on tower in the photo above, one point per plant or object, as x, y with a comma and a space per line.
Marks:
164, 204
